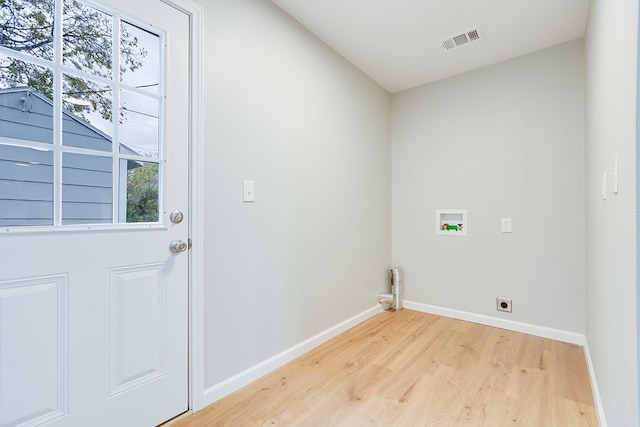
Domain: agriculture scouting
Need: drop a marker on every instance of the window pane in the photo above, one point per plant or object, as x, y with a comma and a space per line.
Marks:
139, 124
141, 182
87, 39
17, 73
139, 58
27, 26
26, 186
26, 111
87, 114
87, 183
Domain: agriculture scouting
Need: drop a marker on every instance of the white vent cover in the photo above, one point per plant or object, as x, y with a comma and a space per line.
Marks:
461, 39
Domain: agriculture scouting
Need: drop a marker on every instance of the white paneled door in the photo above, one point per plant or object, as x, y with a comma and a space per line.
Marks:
93, 303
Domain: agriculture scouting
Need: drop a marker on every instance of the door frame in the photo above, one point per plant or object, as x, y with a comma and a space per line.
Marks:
195, 12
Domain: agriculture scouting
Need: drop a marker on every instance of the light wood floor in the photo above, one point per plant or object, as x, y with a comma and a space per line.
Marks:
407, 368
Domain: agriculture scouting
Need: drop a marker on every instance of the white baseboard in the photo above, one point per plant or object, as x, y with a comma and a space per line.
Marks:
597, 399
228, 386
540, 331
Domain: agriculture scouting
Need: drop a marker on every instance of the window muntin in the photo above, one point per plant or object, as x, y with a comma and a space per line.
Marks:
72, 103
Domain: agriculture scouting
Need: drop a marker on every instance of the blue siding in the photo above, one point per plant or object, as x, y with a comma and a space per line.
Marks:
22, 154
26, 186
87, 195
25, 117
19, 190
86, 213
26, 209
75, 134
26, 174
86, 177
23, 170
85, 162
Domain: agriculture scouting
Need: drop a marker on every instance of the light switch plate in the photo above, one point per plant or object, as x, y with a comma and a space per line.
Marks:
505, 225
249, 191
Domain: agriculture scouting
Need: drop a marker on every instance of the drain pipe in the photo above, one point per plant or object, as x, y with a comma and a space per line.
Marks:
394, 299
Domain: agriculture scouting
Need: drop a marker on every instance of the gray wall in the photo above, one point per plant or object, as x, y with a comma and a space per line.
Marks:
611, 291
503, 141
313, 133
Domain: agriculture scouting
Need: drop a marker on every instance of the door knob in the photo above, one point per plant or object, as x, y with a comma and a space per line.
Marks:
176, 217
178, 246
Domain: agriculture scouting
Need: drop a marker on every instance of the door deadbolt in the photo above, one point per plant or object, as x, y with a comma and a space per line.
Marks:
178, 246
176, 217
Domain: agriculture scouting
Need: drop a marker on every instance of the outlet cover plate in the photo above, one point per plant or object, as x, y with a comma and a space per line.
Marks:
503, 304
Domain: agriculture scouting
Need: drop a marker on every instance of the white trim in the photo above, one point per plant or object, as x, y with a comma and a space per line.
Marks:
541, 331
196, 306
196, 199
597, 399
228, 386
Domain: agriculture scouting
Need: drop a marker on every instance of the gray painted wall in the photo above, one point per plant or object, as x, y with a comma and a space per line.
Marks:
611, 288
503, 141
313, 133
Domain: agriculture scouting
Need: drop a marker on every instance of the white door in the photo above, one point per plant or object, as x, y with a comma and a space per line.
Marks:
93, 304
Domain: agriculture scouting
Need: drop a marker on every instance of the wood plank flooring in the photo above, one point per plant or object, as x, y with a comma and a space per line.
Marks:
407, 368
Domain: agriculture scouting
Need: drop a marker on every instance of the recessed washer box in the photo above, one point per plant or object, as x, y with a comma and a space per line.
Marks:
451, 222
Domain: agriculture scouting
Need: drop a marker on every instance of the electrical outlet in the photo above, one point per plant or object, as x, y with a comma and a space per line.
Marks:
503, 304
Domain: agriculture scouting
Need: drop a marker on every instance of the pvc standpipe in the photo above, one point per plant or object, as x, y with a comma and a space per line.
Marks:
394, 299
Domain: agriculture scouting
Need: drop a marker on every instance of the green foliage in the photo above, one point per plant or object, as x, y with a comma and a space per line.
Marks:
142, 193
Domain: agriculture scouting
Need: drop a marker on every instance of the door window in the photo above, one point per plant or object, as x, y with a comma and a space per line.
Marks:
81, 101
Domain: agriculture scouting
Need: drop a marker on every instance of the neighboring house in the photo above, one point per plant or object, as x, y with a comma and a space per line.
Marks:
27, 174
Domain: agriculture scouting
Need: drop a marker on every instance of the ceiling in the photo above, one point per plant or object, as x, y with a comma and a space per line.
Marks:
399, 43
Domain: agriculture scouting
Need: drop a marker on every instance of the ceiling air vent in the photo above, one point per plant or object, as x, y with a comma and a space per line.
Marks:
461, 39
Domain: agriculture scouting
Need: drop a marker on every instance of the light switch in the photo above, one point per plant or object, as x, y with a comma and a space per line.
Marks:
505, 225
249, 191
